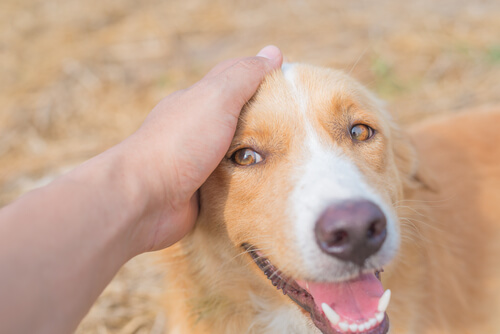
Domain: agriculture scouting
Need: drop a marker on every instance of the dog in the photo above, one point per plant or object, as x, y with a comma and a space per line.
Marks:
325, 216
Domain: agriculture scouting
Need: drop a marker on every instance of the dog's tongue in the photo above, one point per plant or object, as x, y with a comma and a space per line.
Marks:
356, 299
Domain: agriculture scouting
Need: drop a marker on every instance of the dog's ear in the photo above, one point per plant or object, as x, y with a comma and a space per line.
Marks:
412, 169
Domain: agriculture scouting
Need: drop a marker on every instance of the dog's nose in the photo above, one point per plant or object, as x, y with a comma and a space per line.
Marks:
351, 230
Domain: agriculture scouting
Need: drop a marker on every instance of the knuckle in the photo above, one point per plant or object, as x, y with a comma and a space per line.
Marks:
252, 63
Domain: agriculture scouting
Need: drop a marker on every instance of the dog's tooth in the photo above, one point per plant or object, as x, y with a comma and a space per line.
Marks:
384, 301
372, 322
362, 327
353, 328
344, 326
307, 285
379, 316
330, 314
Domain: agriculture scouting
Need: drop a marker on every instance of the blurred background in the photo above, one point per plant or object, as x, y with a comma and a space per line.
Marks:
77, 76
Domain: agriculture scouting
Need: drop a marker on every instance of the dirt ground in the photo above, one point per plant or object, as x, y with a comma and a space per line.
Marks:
78, 76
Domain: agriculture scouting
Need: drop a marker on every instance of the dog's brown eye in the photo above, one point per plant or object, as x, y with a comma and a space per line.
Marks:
361, 132
246, 157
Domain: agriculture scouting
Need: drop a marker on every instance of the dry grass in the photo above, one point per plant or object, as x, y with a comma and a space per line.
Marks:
78, 76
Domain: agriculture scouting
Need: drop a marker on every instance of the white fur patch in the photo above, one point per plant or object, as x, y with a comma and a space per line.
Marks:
325, 177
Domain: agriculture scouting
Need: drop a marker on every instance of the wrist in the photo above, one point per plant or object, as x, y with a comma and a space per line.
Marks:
158, 213
114, 181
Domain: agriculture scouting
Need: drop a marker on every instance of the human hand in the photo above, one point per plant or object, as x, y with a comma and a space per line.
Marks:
70, 237
183, 140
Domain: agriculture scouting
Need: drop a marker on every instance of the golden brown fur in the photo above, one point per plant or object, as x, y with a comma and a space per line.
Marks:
446, 278
445, 189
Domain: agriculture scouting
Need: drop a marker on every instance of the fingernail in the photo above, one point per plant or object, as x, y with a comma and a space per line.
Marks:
269, 52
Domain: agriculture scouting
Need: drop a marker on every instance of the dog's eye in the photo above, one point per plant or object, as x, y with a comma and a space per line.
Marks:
246, 157
361, 132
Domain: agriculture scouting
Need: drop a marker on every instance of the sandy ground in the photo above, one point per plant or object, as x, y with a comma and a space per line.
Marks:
78, 76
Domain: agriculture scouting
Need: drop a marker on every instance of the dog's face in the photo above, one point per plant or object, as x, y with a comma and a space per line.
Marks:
307, 188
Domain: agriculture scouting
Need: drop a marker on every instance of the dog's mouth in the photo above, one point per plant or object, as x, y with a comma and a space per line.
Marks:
354, 306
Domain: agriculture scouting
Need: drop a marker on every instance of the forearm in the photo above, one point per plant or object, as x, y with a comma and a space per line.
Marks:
62, 244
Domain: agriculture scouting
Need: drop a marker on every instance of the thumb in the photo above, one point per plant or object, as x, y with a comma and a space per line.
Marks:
270, 52
236, 81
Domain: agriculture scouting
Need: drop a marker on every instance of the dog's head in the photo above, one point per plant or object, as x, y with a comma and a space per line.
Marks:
307, 189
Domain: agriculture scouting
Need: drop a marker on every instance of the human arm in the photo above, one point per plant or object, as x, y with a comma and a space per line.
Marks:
60, 245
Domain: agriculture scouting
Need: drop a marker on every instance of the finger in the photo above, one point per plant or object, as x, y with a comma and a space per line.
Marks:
269, 52
273, 53
221, 67
236, 84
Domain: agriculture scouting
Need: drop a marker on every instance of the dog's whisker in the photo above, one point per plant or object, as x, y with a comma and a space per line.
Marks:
452, 241
414, 210
423, 201
424, 223
358, 59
